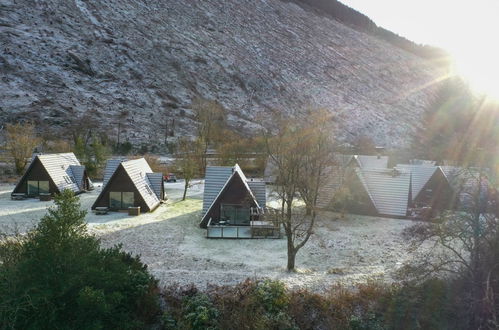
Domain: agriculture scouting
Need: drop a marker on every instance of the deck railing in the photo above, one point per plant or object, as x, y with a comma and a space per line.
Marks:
267, 226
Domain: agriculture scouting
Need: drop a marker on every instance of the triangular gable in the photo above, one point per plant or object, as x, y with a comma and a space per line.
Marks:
58, 169
34, 161
236, 174
420, 175
137, 170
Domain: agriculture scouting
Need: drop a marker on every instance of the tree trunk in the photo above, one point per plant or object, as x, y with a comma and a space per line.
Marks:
308, 211
291, 259
185, 189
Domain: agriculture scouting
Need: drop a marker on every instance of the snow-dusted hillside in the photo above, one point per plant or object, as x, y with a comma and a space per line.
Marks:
60, 58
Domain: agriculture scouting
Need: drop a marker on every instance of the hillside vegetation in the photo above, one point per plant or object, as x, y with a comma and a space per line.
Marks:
134, 67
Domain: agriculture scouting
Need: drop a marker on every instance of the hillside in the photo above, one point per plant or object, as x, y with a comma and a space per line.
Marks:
145, 60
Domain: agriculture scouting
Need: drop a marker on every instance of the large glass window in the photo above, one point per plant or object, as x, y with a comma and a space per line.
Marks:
43, 187
36, 188
127, 199
235, 214
120, 200
32, 188
115, 200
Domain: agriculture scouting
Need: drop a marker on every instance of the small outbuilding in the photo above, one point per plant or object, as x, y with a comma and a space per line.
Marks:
130, 183
51, 174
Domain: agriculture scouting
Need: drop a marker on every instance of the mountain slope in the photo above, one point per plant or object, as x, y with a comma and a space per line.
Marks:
149, 58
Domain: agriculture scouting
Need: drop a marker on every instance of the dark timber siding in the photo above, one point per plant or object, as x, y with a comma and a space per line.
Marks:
437, 193
120, 182
234, 193
35, 172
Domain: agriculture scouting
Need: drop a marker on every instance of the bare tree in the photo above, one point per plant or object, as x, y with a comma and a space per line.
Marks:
210, 117
301, 152
21, 140
188, 160
465, 245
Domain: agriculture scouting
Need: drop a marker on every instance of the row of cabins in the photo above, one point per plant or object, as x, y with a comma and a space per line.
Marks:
126, 184
377, 190
235, 206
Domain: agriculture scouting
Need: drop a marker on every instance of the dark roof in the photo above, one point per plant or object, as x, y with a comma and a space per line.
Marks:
215, 179
156, 182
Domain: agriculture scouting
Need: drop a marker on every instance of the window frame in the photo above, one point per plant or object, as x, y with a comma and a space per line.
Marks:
121, 203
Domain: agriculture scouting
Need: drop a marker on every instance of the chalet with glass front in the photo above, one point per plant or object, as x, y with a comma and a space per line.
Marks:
235, 206
130, 183
51, 174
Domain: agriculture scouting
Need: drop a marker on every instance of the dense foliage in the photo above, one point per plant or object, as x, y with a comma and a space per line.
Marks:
433, 304
58, 277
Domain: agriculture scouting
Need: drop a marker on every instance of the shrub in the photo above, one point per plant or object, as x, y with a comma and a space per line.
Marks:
199, 313
58, 277
427, 305
274, 299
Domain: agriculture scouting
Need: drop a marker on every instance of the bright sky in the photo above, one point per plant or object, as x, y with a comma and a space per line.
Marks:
469, 30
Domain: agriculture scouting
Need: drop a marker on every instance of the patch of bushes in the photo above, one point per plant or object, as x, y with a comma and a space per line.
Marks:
58, 277
269, 305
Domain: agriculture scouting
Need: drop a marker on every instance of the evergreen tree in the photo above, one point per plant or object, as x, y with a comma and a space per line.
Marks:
57, 277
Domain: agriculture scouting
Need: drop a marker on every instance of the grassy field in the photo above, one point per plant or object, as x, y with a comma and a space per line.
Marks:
349, 250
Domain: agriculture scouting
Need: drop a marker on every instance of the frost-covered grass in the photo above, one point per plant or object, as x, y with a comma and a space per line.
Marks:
169, 240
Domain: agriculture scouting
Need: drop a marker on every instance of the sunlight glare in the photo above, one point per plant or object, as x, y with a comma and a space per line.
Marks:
475, 49
480, 68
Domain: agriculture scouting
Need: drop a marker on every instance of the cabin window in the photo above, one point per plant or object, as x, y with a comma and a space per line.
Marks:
121, 200
36, 188
235, 214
